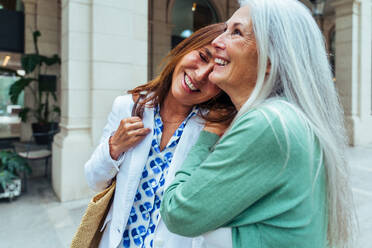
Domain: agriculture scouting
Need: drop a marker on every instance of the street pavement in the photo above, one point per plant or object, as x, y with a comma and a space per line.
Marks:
38, 220
360, 162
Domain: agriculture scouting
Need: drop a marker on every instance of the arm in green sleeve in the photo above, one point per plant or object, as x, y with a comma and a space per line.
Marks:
197, 154
213, 188
200, 151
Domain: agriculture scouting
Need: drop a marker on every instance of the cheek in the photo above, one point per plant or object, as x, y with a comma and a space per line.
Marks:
212, 90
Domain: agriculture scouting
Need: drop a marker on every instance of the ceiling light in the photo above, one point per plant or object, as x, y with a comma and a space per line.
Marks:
6, 60
186, 33
193, 7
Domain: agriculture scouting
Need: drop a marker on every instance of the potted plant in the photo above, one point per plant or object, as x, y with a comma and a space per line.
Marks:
43, 87
11, 167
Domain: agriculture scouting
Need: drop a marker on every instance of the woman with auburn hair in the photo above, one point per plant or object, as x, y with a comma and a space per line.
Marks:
278, 176
148, 133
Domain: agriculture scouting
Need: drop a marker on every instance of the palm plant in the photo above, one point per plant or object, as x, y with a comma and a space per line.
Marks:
44, 88
11, 167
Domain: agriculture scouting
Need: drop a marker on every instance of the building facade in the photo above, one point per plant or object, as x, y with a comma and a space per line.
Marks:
110, 46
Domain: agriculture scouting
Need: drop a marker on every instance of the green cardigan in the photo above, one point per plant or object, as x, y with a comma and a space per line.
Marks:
265, 186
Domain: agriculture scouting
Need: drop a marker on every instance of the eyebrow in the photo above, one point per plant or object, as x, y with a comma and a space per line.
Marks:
208, 52
239, 24
235, 24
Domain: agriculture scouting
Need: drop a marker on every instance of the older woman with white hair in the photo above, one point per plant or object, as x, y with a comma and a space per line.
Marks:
277, 177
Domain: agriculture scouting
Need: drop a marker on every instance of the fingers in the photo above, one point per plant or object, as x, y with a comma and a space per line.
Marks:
139, 132
131, 123
133, 126
129, 133
132, 119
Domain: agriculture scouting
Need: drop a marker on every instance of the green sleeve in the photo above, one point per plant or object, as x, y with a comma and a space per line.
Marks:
212, 188
200, 151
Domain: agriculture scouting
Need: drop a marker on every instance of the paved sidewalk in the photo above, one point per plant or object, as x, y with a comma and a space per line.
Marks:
360, 161
38, 220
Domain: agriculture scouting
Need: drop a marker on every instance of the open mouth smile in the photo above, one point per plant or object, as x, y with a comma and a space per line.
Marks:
221, 62
189, 84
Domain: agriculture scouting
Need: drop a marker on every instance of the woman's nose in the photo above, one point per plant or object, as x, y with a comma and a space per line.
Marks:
218, 42
203, 72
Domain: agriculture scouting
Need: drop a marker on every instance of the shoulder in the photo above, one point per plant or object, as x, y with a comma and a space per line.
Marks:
274, 122
122, 101
122, 106
275, 113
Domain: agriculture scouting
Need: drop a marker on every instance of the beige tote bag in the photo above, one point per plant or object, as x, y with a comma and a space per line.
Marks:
88, 234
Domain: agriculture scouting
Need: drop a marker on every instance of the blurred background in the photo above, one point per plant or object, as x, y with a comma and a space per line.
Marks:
62, 63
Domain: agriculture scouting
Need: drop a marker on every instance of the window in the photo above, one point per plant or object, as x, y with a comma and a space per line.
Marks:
12, 24
15, 5
189, 16
11, 49
9, 120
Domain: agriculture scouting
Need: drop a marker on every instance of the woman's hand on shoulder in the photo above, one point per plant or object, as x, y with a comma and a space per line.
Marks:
129, 133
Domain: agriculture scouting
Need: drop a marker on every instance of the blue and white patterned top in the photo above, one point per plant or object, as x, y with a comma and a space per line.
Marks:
144, 214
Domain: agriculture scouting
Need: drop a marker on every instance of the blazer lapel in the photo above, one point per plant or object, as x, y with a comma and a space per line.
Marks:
138, 158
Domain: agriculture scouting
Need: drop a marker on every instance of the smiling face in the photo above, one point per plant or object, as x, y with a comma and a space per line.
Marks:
236, 59
190, 83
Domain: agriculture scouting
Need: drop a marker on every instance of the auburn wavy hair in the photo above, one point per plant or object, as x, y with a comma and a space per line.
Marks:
154, 92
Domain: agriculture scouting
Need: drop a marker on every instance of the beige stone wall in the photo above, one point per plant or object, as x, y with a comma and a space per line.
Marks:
45, 16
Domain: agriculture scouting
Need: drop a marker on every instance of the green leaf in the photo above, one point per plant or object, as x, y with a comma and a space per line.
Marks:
36, 34
17, 87
13, 163
23, 114
17, 165
54, 96
57, 110
30, 62
4, 157
5, 178
55, 59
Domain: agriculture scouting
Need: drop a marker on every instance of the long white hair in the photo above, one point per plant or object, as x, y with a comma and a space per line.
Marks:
289, 39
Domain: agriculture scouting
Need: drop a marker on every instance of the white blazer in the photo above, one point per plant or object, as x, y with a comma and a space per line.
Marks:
101, 169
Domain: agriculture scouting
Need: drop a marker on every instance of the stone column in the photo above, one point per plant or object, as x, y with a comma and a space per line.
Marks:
73, 145
353, 66
104, 53
119, 54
